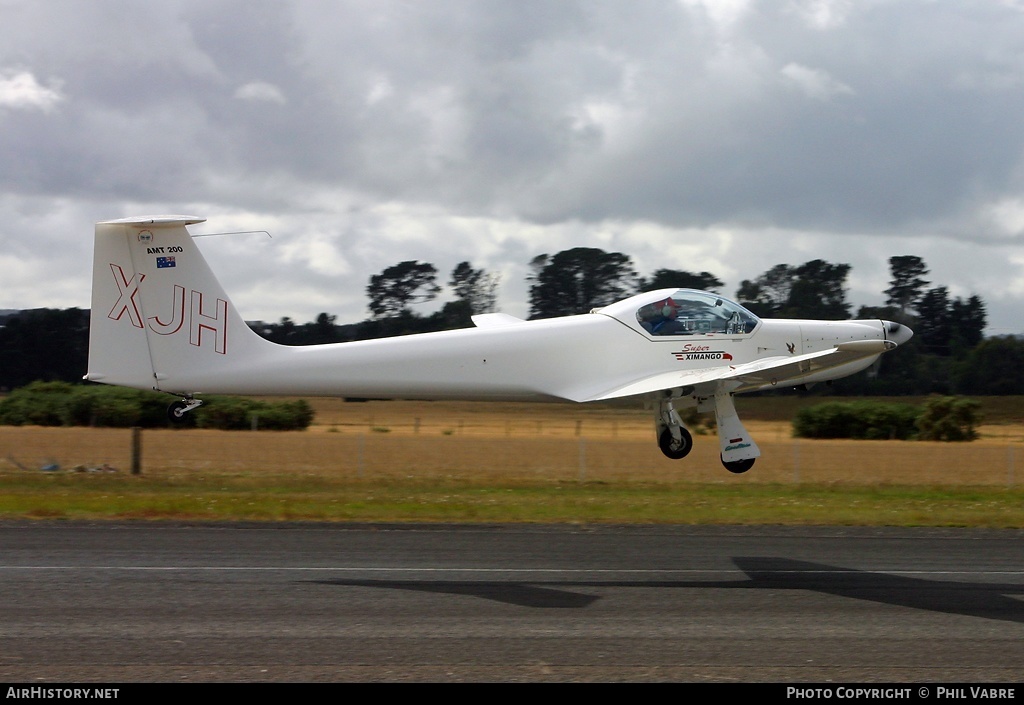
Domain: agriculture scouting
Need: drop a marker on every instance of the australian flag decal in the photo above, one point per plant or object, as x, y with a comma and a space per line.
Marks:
163, 262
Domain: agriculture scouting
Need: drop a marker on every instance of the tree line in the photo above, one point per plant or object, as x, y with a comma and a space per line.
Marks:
947, 355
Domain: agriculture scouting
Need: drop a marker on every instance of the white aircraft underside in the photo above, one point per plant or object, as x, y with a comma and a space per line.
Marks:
161, 320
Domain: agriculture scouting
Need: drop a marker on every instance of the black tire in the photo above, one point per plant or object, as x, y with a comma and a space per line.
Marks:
176, 411
673, 449
739, 466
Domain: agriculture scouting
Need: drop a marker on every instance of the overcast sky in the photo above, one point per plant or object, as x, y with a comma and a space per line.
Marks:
720, 135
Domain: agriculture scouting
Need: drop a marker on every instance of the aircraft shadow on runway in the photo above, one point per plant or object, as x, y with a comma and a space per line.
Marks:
973, 599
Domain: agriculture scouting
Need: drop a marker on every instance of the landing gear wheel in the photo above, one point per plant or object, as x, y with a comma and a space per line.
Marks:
675, 449
176, 411
739, 466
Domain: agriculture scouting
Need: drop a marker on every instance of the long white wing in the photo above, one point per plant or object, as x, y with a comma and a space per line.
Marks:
766, 372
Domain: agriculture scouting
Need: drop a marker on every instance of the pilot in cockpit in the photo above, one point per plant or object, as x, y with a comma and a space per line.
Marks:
662, 318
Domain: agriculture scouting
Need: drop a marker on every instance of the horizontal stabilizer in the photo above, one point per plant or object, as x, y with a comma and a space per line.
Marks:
142, 221
495, 320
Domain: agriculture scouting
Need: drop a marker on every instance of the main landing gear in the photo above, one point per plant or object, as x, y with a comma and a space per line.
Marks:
177, 410
675, 447
673, 438
738, 450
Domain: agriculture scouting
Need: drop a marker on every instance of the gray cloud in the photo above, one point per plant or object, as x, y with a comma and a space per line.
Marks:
724, 137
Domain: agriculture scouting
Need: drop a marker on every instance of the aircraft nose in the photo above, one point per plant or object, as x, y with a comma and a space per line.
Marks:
897, 332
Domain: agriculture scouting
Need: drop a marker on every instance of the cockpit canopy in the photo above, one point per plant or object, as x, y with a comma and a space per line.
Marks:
691, 312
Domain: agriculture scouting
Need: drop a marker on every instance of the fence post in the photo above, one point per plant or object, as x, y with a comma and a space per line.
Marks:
361, 454
136, 450
796, 461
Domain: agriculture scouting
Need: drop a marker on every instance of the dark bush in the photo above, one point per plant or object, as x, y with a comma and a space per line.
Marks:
224, 413
37, 404
240, 414
949, 419
65, 404
866, 420
284, 416
116, 407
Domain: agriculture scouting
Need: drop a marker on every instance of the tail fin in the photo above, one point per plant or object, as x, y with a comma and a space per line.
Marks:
160, 319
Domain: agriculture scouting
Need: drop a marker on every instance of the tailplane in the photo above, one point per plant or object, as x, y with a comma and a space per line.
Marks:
160, 319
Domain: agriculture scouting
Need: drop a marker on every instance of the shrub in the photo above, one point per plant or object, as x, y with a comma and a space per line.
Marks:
949, 419
65, 404
115, 407
239, 414
865, 420
91, 407
37, 404
284, 415
224, 413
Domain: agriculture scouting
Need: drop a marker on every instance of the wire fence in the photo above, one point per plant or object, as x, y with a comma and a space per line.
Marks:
570, 454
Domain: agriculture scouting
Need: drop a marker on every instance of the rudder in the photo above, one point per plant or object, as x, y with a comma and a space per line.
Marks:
160, 319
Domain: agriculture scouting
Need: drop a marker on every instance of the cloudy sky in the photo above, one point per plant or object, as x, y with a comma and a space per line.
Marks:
706, 135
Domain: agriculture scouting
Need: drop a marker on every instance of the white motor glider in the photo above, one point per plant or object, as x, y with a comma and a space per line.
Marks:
161, 320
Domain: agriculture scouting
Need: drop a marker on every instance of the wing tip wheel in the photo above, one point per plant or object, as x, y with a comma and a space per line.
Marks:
738, 466
676, 450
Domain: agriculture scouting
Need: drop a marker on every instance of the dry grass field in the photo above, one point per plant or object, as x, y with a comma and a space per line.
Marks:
488, 442
499, 463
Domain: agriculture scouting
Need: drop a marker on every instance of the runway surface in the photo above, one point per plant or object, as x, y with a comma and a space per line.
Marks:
140, 602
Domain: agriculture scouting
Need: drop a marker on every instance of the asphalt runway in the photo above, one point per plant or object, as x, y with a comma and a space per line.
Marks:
145, 602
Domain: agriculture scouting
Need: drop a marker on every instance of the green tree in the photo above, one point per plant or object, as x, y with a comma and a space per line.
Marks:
476, 287
949, 326
393, 290
680, 279
323, 330
454, 314
993, 367
967, 320
886, 313
815, 289
932, 325
44, 344
283, 332
818, 291
767, 295
578, 280
907, 283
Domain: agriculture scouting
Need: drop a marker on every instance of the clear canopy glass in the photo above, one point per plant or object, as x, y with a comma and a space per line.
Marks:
691, 312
